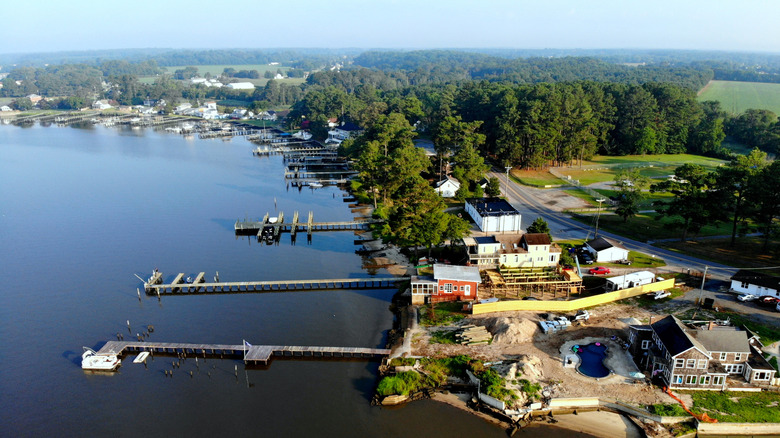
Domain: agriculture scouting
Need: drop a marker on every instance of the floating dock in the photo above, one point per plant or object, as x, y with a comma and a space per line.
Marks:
217, 287
251, 354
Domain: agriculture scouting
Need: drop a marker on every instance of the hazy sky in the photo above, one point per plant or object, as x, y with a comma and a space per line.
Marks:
56, 25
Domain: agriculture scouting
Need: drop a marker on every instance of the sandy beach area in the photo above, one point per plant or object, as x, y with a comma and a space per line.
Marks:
601, 424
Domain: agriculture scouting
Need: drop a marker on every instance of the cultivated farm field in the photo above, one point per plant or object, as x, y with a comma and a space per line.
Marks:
736, 97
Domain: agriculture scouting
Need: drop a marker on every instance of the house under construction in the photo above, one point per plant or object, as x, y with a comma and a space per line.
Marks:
540, 283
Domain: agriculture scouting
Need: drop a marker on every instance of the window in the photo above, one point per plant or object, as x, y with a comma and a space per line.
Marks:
690, 380
691, 363
679, 363
723, 356
448, 288
761, 375
678, 379
704, 380
645, 345
462, 288
717, 380
540, 259
552, 258
517, 258
734, 368
702, 364
737, 357
745, 285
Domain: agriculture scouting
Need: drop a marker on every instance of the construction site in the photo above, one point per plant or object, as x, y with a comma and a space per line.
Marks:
541, 283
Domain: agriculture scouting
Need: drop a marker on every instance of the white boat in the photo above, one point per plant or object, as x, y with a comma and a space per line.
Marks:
315, 185
99, 362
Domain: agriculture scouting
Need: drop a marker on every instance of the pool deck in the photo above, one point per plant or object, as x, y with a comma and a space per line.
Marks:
618, 360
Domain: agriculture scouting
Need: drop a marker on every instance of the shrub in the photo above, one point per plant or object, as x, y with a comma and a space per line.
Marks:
668, 410
402, 384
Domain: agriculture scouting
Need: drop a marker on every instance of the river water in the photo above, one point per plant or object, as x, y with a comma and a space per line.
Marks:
83, 209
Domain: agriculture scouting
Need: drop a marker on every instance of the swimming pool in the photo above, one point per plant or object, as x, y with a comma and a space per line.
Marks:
592, 359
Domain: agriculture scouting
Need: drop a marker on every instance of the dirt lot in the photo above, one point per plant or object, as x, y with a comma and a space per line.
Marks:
517, 338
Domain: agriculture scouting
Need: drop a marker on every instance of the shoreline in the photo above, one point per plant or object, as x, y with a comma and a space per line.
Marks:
601, 424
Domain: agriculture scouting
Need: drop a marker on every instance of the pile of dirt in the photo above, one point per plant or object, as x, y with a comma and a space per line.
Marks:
510, 329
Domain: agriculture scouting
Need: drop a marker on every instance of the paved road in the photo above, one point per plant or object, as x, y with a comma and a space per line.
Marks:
530, 203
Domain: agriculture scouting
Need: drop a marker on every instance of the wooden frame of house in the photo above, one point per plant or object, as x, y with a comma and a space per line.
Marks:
448, 283
709, 358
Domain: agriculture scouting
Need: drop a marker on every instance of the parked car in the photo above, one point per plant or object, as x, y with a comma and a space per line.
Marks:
585, 258
661, 294
747, 297
624, 262
598, 270
768, 301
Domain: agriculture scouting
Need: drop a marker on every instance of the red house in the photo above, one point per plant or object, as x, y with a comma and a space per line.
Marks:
449, 283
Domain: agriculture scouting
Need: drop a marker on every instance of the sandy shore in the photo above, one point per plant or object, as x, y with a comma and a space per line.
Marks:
601, 424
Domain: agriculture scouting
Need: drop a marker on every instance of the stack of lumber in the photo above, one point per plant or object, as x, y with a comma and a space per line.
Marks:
473, 335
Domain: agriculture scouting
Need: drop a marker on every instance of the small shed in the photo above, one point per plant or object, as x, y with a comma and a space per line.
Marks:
605, 250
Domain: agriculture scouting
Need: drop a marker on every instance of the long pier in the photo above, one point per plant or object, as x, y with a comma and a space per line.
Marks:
251, 354
199, 287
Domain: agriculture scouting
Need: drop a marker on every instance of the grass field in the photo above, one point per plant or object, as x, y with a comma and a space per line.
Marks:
736, 97
644, 227
216, 70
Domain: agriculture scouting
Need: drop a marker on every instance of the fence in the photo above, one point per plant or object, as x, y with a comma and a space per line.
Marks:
568, 306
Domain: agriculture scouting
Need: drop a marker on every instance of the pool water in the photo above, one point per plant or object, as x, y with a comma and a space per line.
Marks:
592, 360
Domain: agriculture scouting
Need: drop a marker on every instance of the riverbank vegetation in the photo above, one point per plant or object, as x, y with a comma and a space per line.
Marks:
432, 373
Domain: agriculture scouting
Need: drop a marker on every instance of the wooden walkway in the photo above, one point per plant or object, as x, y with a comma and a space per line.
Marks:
177, 287
252, 354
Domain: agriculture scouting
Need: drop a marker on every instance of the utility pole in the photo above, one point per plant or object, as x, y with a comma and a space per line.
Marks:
508, 168
704, 277
598, 215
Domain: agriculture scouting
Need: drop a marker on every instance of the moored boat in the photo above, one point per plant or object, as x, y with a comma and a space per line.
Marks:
99, 362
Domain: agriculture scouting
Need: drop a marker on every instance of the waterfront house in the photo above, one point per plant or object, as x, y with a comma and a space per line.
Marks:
447, 187
605, 250
756, 283
493, 215
530, 250
448, 283
343, 132
5, 108
711, 357
101, 105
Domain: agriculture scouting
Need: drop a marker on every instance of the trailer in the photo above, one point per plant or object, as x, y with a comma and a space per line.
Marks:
633, 279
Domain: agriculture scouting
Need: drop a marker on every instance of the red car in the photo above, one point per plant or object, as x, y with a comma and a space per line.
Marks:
598, 270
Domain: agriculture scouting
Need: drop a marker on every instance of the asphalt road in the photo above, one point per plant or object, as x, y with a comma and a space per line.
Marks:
530, 203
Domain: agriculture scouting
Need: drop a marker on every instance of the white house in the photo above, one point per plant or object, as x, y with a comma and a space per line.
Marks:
604, 250
343, 132
101, 105
241, 86
238, 113
494, 215
531, 250
756, 283
5, 108
447, 187
182, 107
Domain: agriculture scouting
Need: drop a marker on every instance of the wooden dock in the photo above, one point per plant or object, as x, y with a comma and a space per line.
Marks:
251, 354
217, 287
255, 228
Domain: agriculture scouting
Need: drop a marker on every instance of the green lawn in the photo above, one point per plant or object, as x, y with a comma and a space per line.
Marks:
604, 168
644, 226
216, 70
747, 252
738, 407
736, 97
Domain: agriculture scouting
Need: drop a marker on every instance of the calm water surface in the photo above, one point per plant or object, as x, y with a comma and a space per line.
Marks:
83, 209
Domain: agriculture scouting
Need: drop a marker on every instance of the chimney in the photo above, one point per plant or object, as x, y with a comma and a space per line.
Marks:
711, 325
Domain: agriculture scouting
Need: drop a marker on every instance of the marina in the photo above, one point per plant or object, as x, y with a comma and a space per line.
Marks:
250, 354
